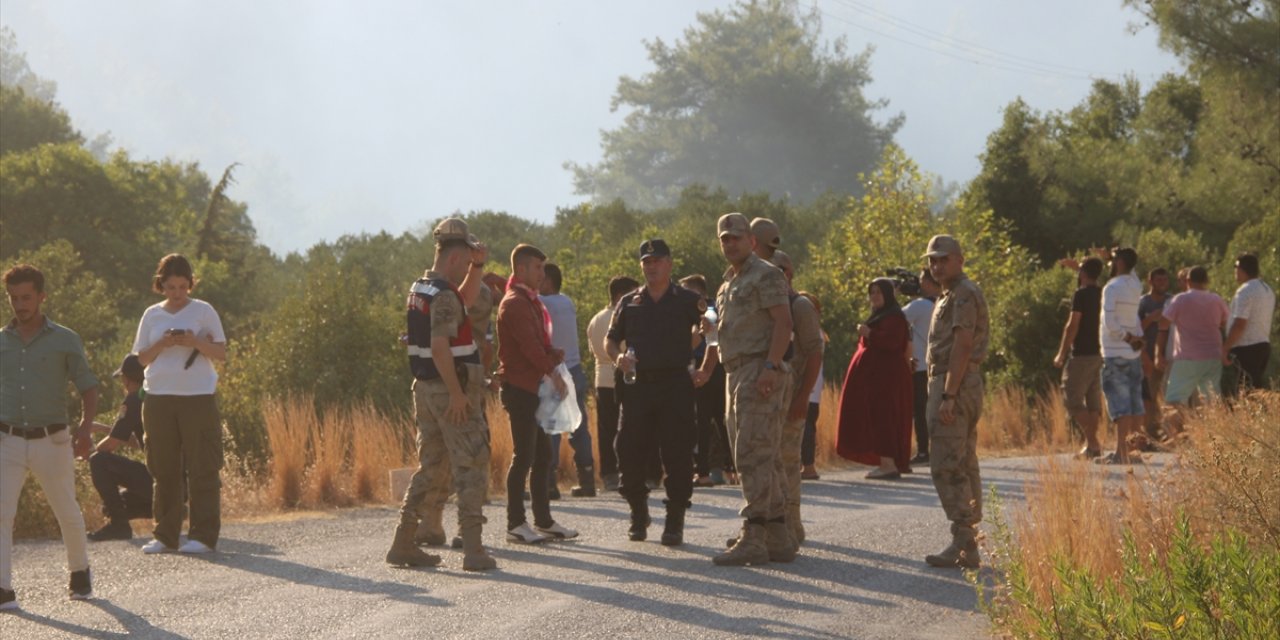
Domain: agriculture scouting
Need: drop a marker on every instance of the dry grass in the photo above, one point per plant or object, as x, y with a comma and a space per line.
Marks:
1226, 477
1013, 425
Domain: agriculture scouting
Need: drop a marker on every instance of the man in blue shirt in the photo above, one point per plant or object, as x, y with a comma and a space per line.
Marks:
564, 336
37, 359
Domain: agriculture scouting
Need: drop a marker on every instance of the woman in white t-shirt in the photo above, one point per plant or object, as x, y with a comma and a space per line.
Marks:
178, 340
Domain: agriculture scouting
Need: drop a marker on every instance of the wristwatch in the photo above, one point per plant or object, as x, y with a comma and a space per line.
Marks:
948, 396
770, 366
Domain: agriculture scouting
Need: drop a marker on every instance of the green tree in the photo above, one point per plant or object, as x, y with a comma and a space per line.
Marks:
26, 121
749, 100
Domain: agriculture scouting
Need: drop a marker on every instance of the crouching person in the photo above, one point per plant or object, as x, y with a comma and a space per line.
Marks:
123, 484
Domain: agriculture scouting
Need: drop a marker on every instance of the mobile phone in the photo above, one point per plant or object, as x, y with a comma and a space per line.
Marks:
175, 332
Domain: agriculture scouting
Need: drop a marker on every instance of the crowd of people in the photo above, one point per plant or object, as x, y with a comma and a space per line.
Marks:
1155, 356
692, 389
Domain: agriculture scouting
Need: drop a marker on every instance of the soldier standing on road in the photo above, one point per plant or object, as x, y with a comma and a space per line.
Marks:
957, 346
806, 360
448, 394
658, 323
754, 328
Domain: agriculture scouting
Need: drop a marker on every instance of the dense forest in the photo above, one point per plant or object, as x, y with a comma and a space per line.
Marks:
1187, 170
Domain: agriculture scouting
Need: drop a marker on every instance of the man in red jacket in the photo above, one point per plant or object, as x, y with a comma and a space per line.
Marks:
525, 355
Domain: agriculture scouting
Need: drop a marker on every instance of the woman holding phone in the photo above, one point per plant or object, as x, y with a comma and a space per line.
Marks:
178, 341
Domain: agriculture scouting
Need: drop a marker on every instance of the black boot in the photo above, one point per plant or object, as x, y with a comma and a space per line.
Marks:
586, 483
673, 530
639, 519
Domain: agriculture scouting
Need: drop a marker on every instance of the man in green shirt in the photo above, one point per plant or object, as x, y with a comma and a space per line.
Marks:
37, 359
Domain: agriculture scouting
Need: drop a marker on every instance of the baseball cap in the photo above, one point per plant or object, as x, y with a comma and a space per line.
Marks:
656, 247
942, 245
734, 224
766, 232
131, 368
454, 229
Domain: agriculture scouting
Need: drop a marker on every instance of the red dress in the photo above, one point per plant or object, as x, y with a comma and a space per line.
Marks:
875, 404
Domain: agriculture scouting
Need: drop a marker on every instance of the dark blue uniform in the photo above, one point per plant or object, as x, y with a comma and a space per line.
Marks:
658, 410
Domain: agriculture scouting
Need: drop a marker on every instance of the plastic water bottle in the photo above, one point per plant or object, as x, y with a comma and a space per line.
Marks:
629, 377
713, 336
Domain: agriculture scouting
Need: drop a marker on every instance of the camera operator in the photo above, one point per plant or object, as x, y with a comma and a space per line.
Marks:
919, 313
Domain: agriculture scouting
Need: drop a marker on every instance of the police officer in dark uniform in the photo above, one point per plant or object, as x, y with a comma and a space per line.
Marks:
659, 323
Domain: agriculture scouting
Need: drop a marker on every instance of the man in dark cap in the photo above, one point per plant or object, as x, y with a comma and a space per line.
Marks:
658, 323
112, 472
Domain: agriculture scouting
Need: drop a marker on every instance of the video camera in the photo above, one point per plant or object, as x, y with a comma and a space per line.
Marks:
907, 281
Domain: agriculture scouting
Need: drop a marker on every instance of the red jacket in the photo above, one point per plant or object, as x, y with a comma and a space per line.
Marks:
524, 352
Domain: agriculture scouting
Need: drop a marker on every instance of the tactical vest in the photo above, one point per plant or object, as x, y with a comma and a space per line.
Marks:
463, 347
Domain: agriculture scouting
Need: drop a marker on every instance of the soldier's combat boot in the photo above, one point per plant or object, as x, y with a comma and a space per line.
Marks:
750, 548
639, 519
797, 527
404, 553
474, 557
673, 528
586, 483
430, 529
962, 552
781, 545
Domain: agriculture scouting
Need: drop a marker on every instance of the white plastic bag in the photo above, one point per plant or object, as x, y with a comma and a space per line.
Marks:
555, 414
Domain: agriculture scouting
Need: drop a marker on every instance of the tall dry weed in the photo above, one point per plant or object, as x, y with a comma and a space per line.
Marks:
380, 443
330, 443
289, 423
1013, 424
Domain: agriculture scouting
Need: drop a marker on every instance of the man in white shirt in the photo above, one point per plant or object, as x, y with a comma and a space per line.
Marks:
1249, 337
606, 399
1121, 335
919, 314
564, 336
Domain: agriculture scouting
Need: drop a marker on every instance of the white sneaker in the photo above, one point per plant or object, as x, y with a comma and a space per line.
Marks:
557, 531
525, 534
195, 546
155, 546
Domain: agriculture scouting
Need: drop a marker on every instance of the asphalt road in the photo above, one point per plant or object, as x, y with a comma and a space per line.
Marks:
860, 575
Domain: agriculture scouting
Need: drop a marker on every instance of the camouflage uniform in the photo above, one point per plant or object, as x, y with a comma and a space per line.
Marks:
754, 422
453, 457
808, 344
953, 448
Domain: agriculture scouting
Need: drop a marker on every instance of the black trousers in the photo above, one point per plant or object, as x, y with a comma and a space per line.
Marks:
531, 459
607, 429
920, 399
809, 441
709, 407
1251, 367
658, 415
123, 484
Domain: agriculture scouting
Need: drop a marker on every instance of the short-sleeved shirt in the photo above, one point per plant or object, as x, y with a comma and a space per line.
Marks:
168, 374
1200, 317
744, 300
960, 307
807, 335
564, 327
1148, 305
34, 374
1255, 302
1087, 301
919, 314
129, 422
660, 331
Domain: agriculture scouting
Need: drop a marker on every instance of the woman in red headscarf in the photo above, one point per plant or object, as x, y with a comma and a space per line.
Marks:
875, 403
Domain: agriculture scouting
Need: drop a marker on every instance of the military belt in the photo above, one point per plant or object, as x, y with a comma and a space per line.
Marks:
31, 433
737, 362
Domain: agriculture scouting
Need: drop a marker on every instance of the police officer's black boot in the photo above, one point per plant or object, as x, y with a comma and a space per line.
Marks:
673, 529
639, 518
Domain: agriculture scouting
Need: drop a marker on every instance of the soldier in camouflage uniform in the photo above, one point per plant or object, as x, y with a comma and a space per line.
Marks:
754, 328
431, 511
448, 394
807, 347
958, 338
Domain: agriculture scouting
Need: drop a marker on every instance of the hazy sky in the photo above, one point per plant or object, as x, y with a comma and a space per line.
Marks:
365, 116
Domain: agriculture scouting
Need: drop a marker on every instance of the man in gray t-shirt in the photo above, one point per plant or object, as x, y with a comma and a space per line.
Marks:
564, 336
919, 313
